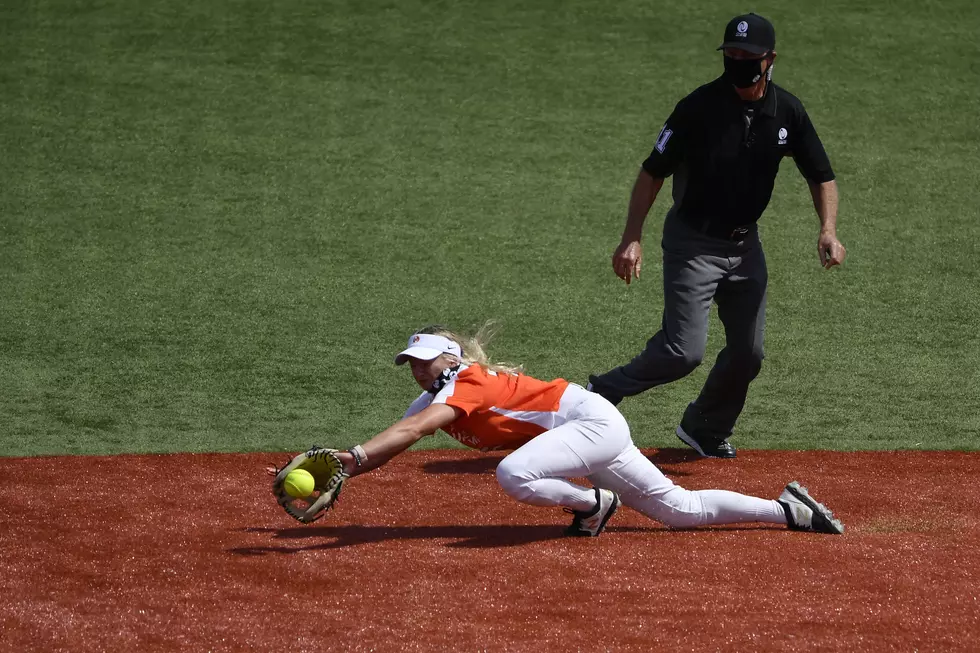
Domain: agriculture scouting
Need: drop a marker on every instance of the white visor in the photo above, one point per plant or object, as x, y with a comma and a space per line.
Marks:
427, 346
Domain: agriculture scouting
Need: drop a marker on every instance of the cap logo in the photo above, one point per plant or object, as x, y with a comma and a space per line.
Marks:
426, 346
782, 135
742, 28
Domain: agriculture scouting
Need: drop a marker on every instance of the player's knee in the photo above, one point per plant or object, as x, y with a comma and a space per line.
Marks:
513, 480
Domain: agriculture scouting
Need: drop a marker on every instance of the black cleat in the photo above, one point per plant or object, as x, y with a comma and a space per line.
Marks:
707, 445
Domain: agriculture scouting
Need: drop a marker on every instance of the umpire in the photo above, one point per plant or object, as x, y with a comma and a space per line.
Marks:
723, 143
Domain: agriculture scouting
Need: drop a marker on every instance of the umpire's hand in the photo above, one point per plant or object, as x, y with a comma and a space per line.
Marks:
831, 250
628, 259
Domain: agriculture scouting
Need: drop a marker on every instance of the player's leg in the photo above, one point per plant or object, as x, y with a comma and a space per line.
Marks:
644, 488
690, 281
595, 442
592, 438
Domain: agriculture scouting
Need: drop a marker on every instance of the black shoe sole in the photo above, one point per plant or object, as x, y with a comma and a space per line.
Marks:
694, 444
612, 511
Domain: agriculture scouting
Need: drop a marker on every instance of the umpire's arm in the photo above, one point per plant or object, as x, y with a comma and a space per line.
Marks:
825, 201
813, 163
667, 154
627, 260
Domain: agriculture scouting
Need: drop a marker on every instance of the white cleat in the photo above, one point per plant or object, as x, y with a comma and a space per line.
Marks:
805, 514
590, 524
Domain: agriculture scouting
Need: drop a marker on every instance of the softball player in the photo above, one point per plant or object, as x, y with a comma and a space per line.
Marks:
558, 430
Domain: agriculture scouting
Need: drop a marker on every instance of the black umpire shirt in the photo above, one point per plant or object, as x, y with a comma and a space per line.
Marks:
724, 154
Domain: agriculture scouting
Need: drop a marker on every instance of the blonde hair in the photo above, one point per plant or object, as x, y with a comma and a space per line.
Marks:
474, 352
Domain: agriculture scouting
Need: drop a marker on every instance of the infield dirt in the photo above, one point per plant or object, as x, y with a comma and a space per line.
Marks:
190, 552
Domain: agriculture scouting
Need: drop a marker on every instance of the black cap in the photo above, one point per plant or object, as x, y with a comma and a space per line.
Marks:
750, 32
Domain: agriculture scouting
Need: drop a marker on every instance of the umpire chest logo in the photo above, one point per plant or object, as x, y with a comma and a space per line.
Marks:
782, 135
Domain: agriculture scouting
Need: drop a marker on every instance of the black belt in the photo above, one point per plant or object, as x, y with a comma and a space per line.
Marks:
726, 232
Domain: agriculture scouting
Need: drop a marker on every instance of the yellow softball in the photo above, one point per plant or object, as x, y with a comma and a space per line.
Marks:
298, 483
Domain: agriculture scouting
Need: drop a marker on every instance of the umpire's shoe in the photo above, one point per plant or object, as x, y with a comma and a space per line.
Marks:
805, 514
591, 523
706, 445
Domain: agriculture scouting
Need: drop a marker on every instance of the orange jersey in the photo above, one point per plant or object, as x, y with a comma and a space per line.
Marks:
502, 411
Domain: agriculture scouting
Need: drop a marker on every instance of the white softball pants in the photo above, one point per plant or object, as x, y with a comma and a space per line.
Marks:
595, 443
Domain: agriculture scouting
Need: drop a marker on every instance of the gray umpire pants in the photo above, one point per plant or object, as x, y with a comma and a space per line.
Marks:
697, 270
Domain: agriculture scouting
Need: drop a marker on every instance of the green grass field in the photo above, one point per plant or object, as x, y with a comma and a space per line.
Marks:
219, 220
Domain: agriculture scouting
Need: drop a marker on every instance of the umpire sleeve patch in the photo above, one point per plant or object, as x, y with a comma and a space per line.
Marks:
665, 135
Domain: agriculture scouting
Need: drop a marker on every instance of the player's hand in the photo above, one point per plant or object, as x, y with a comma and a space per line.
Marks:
831, 250
628, 260
347, 459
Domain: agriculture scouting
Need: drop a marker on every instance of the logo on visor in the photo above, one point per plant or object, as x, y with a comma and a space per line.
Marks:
742, 28
782, 135
415, 339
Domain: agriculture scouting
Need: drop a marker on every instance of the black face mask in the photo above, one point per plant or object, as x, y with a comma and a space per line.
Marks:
444, 378
743, 73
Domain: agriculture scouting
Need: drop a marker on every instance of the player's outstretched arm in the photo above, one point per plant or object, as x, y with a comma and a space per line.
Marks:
397, 438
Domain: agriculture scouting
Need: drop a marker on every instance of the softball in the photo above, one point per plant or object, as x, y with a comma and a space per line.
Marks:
298, 484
